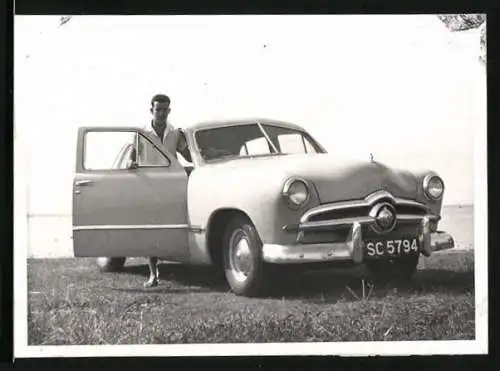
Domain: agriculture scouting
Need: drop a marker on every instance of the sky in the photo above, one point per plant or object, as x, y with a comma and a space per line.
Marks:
401, 87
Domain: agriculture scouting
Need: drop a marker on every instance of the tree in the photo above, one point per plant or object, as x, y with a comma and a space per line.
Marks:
465, 22
64, 20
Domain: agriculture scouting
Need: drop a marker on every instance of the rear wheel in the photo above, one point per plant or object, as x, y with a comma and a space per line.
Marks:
245, 271
107, 264
401, 269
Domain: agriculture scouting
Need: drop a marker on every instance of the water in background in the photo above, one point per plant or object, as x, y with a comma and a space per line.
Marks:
459, 221
49, 236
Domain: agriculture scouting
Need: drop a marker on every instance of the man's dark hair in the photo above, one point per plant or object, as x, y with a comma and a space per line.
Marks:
160, 98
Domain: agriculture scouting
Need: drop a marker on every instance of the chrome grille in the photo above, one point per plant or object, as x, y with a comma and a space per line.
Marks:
332, 222
361, 208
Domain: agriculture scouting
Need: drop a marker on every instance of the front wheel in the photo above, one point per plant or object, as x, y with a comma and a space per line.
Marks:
401, 269
106, 264
244, 268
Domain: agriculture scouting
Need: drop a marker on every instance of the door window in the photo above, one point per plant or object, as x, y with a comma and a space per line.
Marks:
114, 150
104, 150
309, 146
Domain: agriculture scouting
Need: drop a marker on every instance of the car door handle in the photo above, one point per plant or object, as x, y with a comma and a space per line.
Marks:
83, 182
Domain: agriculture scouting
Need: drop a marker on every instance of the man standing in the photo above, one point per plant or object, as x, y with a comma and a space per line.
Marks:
169, 136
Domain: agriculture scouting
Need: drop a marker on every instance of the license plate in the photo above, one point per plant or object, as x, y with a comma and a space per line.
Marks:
391, 247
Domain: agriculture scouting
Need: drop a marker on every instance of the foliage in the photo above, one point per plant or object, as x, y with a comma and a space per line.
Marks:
465, 22
64, 20
462, 22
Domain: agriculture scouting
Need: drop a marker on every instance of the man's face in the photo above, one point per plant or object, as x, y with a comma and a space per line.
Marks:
160, 111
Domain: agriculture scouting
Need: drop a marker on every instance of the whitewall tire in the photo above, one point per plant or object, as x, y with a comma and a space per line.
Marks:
245, 271
107, 264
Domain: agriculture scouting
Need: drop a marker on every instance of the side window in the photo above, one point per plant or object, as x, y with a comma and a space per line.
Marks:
291, 143
309, 146
149, 155
103, 150
257, 146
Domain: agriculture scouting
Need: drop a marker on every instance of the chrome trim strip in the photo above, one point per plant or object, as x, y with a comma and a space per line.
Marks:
330, 207
197, 229
348, 221
367, 202
376, 196
416, 218
129, 227
335, 222
405, 202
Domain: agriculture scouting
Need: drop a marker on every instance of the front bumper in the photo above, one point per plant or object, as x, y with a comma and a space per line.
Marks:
352, 250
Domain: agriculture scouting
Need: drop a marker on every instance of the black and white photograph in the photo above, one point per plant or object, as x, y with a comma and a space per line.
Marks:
250, 185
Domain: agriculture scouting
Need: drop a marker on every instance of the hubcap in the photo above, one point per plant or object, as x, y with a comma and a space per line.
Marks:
240, 256
103, 261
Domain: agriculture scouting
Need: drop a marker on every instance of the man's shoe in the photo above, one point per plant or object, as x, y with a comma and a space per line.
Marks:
152, 282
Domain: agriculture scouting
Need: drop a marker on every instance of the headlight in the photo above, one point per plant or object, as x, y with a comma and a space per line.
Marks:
433, 186
296, 192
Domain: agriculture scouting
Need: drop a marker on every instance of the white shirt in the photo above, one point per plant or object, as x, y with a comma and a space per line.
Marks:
171, 142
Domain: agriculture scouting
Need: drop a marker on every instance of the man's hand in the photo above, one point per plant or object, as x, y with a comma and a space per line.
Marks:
182, 147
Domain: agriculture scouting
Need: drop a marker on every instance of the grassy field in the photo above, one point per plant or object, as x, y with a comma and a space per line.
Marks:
70, 302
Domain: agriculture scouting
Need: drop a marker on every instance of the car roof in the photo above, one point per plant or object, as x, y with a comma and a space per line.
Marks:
240, 121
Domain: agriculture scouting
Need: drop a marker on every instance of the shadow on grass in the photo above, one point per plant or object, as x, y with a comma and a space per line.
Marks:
332, 286
324, 285
186, 278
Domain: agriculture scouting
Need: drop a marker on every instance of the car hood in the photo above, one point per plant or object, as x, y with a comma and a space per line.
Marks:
335, 178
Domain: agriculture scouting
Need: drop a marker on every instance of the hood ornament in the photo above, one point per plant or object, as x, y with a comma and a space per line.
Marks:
371, 157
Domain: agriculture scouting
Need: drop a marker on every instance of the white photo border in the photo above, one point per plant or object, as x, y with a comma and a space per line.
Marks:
477, 346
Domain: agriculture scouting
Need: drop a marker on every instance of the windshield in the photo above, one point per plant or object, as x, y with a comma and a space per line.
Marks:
240, 141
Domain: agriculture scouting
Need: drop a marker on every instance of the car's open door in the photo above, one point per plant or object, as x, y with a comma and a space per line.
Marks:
126, 205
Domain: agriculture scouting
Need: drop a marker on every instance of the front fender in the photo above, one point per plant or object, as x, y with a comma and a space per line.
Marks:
257, 194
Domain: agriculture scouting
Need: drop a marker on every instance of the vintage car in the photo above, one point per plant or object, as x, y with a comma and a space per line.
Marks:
250, 196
